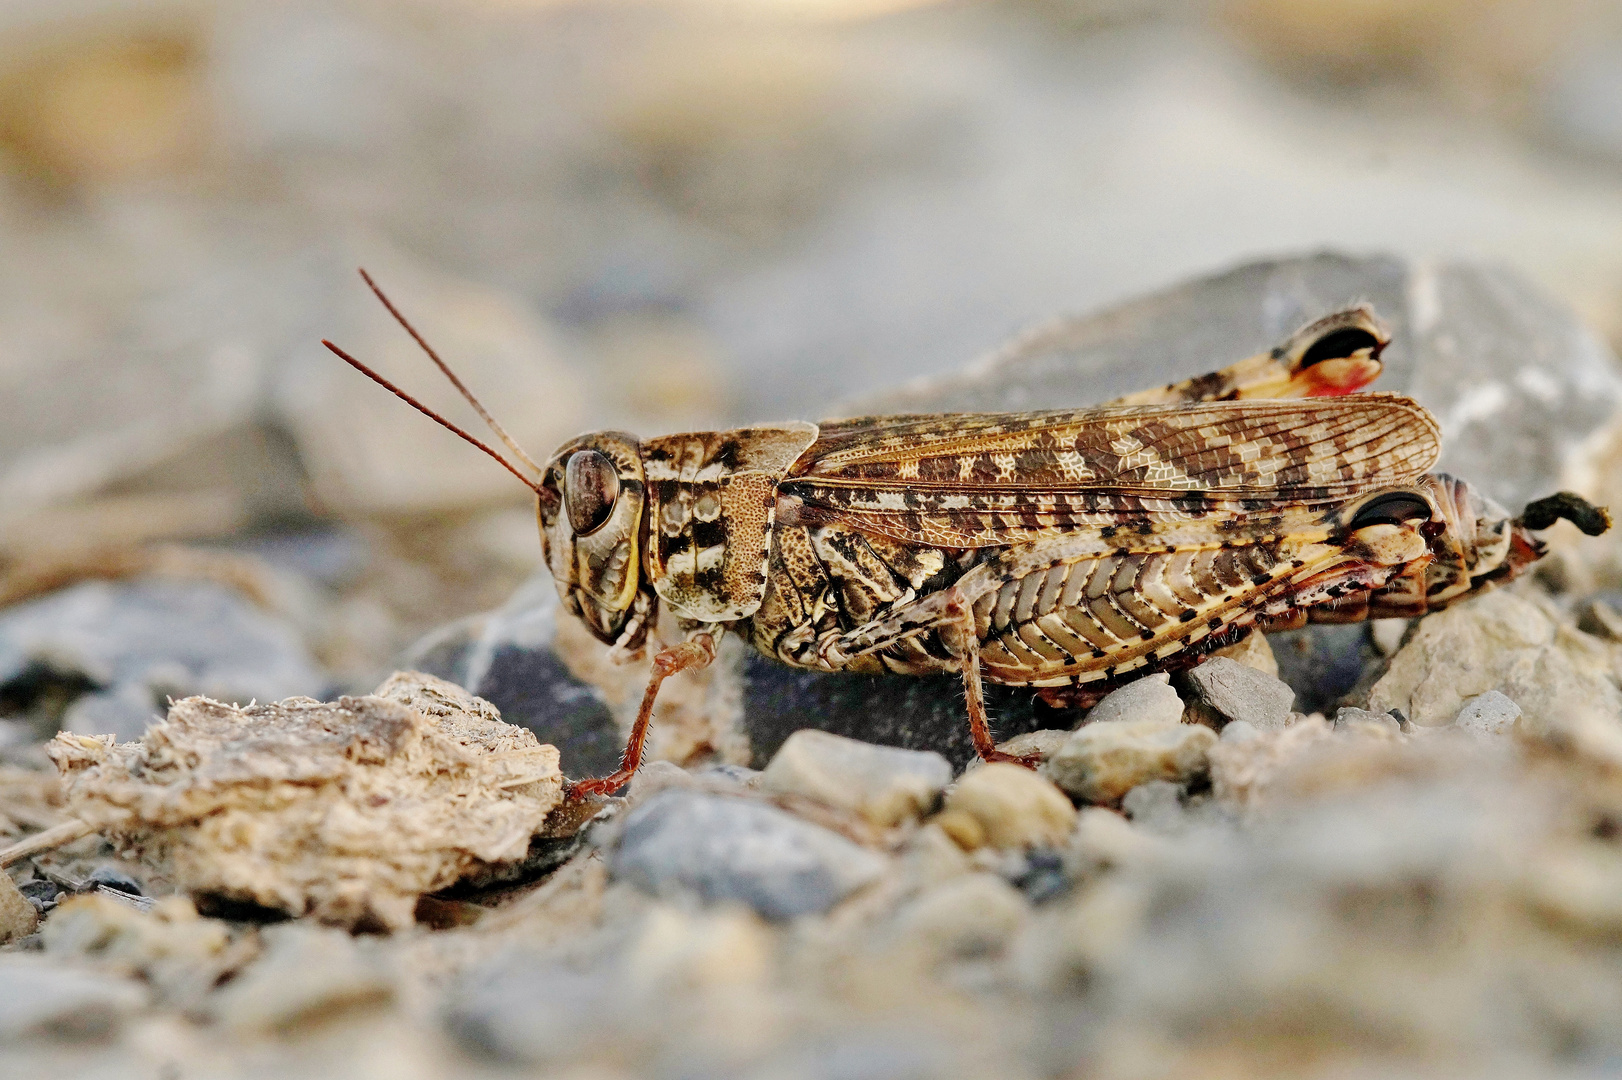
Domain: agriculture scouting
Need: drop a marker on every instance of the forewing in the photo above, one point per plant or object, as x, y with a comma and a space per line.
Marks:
988, 479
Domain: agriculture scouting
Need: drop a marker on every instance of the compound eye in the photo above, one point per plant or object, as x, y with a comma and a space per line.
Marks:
592, 485
1392, 508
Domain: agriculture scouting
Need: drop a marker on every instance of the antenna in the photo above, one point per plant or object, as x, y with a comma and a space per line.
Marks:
431, 414
501, 432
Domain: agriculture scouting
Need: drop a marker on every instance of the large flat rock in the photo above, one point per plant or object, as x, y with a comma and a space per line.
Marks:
1514, 376
1518, 383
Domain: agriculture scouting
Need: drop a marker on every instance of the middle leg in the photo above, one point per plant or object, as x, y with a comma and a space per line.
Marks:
974, 697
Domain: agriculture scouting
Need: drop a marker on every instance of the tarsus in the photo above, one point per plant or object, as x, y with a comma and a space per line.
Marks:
501, 432
431, 414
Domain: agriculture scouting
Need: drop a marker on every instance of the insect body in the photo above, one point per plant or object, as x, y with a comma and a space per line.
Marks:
1069, 551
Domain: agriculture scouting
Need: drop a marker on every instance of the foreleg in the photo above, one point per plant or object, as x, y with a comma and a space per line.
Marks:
694, 653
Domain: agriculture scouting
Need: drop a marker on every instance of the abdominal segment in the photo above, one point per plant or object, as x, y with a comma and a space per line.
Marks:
1083, 622
1094, 621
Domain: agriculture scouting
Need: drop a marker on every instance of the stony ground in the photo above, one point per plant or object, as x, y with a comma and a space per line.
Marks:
1203, 884
1345, 851
1357, 851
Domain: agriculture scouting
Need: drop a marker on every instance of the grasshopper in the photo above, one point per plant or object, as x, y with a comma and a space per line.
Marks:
1070, 551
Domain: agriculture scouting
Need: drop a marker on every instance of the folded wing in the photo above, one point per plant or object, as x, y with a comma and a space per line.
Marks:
989, 479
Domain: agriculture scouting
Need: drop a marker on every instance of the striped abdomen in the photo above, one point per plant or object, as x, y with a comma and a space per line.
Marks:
1093, 619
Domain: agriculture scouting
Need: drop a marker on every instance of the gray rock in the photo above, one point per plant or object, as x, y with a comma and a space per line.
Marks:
1040, 744
1506, 641
325, 553
17, 736
1386, 634
1404, 910
966, 916
113, 878
1517, 380
735, 849
1324, 663
1252, 650
1103, 761
143, 641
42, 893
124, 712
1222, 690
741, 775
533, 1010
1581, 102
1601, 616
1043, 875
1156, 806
307, 972
884, 784
654, 777
1489, 714
870, 1053
917, 713
179, 955
1238, 731
46, 999
129, 900
1347, 718
508, 657
1150, 700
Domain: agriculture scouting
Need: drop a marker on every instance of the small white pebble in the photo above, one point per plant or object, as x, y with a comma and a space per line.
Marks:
1238, 731
1387, 634
1491, 713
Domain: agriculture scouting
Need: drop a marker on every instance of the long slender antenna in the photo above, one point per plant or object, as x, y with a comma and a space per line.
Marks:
426, 411
501, 432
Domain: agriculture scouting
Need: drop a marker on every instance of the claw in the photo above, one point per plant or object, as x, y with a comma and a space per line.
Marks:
581, 790
1030, 761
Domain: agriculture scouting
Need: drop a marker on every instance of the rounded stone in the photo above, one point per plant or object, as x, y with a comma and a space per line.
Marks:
1101, 762
18, 918
1223, 690
1491, 713
971, 915
1015, 806
725, 848
884, 784
1150, 699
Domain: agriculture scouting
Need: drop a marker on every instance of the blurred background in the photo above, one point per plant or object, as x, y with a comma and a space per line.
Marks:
664, 215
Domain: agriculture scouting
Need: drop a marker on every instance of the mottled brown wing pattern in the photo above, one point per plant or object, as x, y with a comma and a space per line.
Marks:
986, 480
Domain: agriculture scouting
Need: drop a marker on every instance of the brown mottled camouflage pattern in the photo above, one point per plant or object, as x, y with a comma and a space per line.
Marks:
1065, 550
1068, 550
